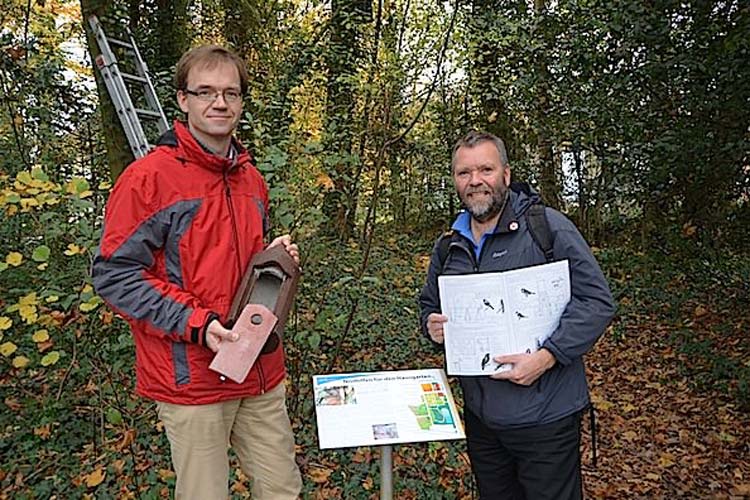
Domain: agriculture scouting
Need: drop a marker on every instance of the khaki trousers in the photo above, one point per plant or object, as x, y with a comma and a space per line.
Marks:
258, 430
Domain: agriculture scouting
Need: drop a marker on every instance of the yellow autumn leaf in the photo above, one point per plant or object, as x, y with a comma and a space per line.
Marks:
50, 358
666, 460
43, 266
40, 336
95, 478
73, 249
324, 181
166, 474
628, 407
8, 348
43, 431
5, 322
87, 288
85, 194
30, 299
20, 362
28, 313
11, 210
51, 299
319, 475
28, 203
104, 186
24, 177
91, 304
14, 259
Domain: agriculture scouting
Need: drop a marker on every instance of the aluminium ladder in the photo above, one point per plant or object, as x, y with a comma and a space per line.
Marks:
115, 81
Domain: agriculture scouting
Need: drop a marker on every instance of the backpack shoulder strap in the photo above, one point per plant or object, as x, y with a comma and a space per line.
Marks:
442, 247
536, 219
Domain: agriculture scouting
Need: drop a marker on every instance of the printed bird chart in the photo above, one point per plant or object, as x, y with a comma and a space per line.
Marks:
509, 312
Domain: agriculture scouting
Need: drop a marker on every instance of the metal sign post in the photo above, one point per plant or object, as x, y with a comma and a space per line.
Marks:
386, 472
383, 409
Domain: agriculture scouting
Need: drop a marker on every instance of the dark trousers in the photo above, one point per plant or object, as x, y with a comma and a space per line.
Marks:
531, 463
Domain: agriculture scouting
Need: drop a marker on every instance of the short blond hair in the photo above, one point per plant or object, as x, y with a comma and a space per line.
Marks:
208, 56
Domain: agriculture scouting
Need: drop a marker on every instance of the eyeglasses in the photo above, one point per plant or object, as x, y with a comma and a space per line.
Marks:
230, 95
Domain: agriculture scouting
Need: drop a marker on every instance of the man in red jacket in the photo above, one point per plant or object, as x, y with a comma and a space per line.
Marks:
180, 229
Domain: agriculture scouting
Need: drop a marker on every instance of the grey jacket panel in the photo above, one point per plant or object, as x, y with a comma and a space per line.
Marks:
562, 390
122, 279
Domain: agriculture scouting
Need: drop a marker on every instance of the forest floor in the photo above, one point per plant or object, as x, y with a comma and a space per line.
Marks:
658, 436
670, 380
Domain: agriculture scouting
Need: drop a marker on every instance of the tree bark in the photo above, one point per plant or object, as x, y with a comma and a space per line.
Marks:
342, 59
549, 171
119, 154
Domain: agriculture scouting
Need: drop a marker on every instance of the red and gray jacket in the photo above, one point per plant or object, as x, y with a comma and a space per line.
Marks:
180, 228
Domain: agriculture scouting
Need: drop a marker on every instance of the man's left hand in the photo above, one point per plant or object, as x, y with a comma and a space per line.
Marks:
526, 367
290, 247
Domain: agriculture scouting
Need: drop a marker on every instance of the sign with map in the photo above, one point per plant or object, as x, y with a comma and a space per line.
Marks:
383, 408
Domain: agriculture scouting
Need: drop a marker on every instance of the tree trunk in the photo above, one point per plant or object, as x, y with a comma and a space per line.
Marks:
549, 172
342, 59
170, 33
119, 154
494, 117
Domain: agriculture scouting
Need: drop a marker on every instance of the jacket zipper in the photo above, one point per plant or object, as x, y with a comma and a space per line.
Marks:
232, 217
468, 252
261, 376
236, 239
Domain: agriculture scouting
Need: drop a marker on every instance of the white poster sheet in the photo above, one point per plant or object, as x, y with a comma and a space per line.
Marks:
509, 312
383, 408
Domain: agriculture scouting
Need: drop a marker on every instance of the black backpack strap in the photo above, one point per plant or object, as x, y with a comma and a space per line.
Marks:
536, 219
592, 423
442, 247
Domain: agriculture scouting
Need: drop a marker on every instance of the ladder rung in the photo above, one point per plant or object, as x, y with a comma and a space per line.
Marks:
120, 43
130, 116
147, 113
134, 78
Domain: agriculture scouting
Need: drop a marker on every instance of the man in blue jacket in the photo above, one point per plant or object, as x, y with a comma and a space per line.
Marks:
522, 425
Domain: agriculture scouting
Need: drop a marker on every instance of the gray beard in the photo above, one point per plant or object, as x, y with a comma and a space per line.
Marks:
499, 199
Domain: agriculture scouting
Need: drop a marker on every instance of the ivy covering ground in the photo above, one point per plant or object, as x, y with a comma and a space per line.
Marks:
669, 380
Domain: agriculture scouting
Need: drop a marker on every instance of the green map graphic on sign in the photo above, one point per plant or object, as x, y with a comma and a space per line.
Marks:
434, 409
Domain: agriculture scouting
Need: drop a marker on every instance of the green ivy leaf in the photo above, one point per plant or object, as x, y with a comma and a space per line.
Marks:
39, 174
314, 340
24, 177
114, 416
41, 253
50, 358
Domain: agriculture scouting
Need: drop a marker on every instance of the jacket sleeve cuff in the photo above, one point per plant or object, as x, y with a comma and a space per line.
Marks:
197, 326
557, 353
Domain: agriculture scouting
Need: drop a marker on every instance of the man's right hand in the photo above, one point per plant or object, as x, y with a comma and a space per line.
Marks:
435, 323
216, 334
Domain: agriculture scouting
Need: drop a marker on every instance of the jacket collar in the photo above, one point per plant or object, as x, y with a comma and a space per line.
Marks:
508, 221
188, 149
